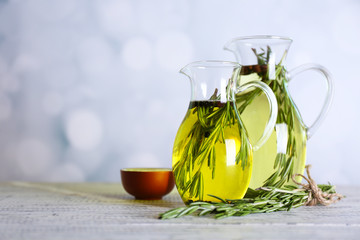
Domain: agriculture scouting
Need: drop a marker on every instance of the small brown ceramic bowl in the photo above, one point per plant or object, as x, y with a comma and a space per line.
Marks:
147, 183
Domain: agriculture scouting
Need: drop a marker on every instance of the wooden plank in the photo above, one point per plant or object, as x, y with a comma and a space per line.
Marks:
105, 211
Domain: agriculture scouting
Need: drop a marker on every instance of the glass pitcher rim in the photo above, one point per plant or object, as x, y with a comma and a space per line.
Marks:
203, 64
261, 37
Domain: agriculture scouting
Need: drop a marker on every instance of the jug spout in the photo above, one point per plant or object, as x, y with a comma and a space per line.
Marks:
209, 79
232, 47
186, 71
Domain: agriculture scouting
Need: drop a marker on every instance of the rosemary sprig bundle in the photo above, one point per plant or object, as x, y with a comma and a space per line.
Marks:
265, 199
262, 200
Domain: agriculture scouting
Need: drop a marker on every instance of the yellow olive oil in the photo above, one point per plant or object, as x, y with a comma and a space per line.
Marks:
211, 154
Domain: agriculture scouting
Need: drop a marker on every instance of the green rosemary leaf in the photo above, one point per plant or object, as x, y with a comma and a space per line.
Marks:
327, 188
213, 163
188, 210
201, 183
251, 193
271, 180
206, 211
277, 160
173, 213
218, 198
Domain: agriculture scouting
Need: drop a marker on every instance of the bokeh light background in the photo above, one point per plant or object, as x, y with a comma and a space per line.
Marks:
91, 86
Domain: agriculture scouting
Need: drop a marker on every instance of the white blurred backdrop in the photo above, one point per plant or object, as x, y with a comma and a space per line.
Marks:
89, 87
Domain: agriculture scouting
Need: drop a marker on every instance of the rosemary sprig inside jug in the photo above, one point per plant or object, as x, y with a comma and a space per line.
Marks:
275, 77
200, 149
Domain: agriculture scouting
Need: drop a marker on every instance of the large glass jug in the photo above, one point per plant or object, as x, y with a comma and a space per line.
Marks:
263, 60
212, 154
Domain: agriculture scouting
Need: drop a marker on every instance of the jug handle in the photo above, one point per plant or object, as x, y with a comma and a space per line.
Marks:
329, 84
273, 106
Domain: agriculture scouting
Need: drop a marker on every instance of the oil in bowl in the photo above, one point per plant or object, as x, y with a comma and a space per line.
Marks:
147, 183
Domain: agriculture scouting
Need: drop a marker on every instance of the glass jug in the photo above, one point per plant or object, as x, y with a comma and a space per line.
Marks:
212, 155
263, 60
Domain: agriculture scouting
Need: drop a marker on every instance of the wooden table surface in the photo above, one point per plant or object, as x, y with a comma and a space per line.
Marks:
105, 211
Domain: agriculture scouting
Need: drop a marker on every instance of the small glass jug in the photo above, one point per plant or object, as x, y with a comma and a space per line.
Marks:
284, 154
212, 155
